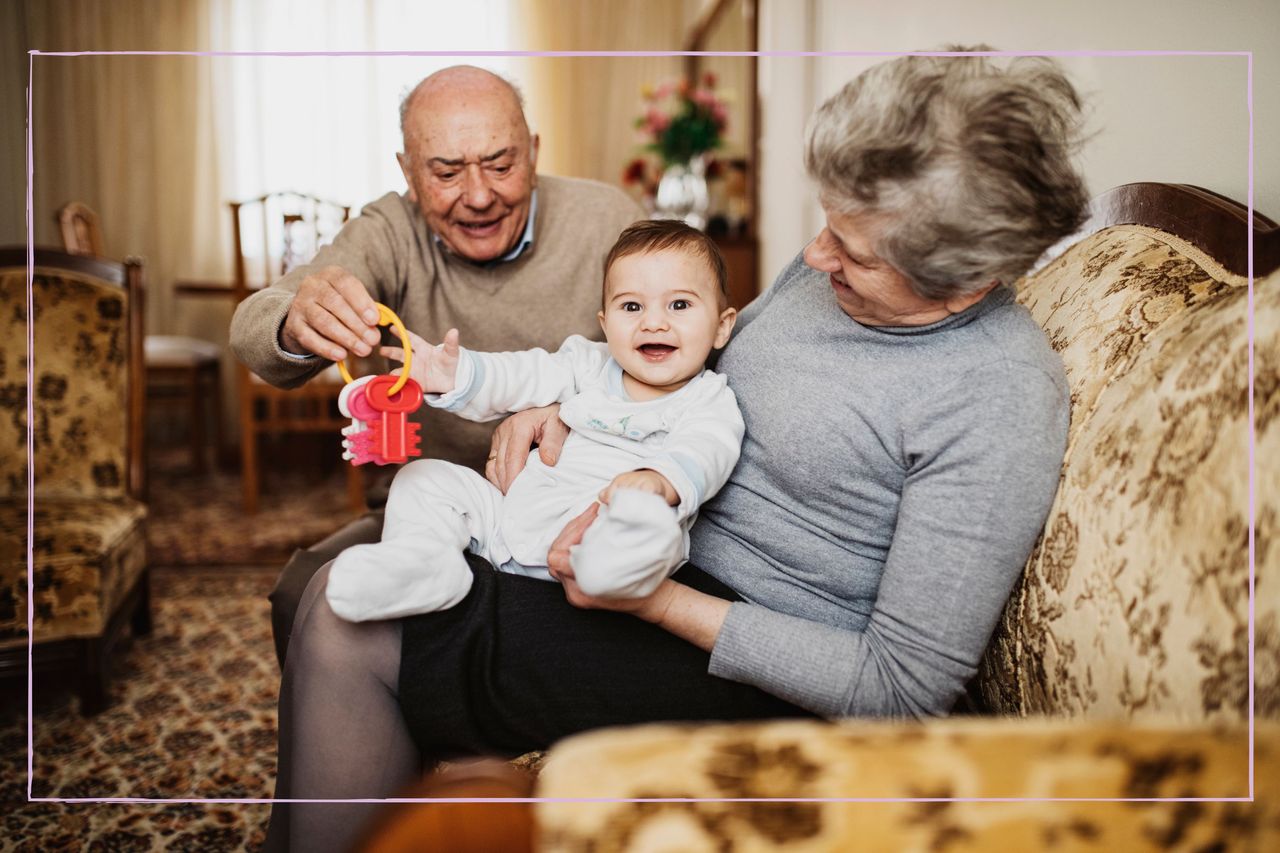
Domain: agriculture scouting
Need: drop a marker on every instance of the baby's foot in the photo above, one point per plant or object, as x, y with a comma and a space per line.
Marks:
397, 577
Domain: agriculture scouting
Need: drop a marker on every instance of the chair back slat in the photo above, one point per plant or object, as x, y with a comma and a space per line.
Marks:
276, 232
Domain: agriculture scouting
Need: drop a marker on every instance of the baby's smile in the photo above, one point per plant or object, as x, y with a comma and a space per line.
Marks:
656, 352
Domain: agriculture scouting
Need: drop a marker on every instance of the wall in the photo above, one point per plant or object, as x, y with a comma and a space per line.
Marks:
1176, 119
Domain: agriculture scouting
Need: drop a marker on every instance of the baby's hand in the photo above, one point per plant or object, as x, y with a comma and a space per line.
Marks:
645, 480
434, 368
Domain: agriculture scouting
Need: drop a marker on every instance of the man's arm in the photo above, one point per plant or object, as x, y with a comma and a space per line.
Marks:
290, 331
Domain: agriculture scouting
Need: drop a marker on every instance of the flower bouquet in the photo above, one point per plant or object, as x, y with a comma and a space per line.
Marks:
682, 123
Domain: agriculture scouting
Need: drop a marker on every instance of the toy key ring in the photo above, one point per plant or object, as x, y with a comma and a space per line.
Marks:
387, 317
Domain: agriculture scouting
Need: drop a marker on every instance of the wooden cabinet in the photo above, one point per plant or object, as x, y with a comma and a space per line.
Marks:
741, 257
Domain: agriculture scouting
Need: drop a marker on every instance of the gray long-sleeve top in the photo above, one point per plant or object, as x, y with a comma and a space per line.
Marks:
892, 483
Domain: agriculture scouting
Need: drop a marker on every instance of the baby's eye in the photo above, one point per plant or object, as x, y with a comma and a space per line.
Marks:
681, 305
630, 306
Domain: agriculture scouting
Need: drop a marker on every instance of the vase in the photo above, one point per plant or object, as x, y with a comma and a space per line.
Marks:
682, 193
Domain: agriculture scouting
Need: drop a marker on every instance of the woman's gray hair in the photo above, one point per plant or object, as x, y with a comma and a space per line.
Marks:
965, 163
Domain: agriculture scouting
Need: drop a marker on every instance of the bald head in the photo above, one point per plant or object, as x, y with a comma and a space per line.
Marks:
460, 80
469, 160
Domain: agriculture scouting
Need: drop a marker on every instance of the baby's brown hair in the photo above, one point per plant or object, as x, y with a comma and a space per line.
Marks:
658, 235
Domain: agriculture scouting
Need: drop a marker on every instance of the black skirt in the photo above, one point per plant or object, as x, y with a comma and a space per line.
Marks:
515, 667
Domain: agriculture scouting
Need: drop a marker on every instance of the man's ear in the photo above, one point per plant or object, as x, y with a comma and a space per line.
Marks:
533, 151
728, 317
406, 169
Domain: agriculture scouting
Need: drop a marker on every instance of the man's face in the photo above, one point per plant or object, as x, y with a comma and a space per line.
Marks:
469, 160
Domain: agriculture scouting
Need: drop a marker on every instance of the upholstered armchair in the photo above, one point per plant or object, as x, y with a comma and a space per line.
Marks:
1121, 669
88, 543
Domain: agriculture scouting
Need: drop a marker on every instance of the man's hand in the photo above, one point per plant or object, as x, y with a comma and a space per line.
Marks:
434, 368
331, 315
652, 607
645, 480
516, 436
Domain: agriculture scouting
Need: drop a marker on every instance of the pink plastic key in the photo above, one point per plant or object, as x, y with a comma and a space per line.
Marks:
357, 443
359, 449
395, 438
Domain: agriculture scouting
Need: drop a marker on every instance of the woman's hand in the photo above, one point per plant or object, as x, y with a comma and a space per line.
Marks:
516, 436
433, 368
651, 608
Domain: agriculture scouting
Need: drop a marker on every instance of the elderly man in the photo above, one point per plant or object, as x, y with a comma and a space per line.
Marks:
479, 242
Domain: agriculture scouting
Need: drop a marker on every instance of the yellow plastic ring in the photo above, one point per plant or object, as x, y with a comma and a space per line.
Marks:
387, 317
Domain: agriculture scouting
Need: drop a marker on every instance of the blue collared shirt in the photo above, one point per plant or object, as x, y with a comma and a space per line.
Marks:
526, 239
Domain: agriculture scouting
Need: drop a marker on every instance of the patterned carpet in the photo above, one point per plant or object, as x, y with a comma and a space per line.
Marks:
193, 704
193, 715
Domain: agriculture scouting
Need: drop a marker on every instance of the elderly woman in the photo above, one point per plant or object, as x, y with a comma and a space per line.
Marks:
905, 419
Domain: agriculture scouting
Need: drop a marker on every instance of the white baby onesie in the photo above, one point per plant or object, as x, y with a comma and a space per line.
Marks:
436, 509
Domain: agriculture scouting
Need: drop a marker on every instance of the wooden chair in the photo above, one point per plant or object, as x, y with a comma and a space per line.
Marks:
272, 234
179, 368
88, 543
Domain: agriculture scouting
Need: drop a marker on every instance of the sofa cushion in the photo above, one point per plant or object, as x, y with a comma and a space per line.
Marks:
1134, 602
87, 555
943, 759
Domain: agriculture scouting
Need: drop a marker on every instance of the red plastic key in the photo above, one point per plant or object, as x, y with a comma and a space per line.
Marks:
395, 438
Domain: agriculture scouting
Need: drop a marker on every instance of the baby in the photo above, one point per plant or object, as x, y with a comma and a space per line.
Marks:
653, 435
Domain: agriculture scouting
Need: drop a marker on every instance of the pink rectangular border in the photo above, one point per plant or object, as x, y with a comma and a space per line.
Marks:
586, 53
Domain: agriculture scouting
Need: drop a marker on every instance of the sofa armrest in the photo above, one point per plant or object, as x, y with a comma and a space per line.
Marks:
956, 758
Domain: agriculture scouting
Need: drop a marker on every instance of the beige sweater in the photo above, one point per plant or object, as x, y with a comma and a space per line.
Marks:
548, 293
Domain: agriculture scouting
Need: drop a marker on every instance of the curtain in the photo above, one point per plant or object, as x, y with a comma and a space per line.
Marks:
13, 134
120, 132
330, 125
584, 107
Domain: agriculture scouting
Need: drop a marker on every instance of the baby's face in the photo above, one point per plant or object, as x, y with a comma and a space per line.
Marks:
662, 317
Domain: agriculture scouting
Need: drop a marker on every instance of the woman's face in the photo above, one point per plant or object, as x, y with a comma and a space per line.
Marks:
866, 287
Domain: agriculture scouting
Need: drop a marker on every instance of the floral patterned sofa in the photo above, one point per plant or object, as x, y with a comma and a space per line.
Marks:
89, 542
1120, 673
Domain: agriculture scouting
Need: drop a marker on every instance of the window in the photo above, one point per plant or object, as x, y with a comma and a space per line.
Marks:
330, 125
